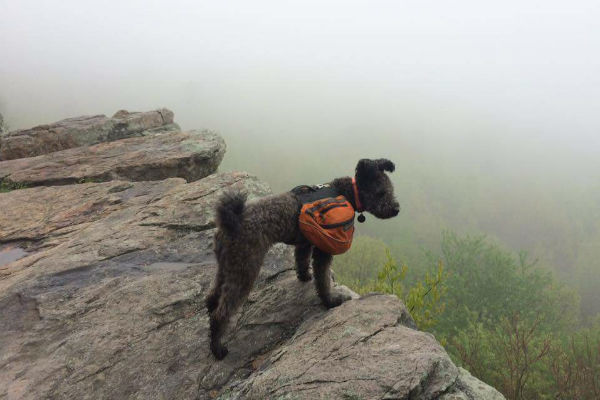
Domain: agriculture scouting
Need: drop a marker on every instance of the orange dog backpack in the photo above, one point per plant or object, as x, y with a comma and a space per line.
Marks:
326, 219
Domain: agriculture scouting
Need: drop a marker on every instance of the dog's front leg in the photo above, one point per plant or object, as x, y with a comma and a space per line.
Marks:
321, 263
302, 255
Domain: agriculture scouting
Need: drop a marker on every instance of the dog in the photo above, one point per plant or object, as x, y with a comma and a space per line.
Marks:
246, 231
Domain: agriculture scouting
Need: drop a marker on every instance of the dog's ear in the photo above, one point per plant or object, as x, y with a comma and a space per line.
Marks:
366, 169
385, 165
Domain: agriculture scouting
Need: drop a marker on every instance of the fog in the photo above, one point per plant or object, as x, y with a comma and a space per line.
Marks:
494, 100
523, 68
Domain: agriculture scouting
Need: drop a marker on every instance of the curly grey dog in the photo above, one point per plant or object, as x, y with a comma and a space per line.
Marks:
247, 231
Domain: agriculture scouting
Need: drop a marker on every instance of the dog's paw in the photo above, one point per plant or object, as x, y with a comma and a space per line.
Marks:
337, 299
304, 277
219, 351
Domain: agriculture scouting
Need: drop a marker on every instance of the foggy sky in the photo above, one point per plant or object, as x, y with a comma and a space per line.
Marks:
492, 74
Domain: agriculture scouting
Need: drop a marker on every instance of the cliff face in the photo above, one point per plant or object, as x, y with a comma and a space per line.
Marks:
102, 287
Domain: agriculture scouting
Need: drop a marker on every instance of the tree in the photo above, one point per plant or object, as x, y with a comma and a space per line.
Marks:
511, 356
504, 316
575, 365
491, 283
423, 299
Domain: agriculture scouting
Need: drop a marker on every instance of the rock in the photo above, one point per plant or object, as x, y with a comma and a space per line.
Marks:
345, 290
83, 131
108, 303
66, 209
468, 387
190, 155
359, 349
105, 287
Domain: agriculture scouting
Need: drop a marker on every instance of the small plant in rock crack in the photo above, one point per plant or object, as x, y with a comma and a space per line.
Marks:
8, 186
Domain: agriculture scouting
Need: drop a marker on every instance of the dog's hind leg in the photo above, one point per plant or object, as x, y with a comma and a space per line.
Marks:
321, 264
212, 300
219, 318
237, 283
302, 254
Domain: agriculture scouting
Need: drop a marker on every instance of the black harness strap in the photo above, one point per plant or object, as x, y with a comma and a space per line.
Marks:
308, 194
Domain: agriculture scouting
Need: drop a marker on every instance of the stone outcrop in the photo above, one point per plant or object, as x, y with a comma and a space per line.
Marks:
365, 348
83, 131
191, 155
101, 297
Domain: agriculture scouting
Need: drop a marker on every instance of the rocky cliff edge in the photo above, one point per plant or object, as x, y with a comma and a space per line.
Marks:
102, 286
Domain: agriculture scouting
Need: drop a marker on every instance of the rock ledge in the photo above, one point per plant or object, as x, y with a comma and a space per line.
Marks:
102, 286
83, 131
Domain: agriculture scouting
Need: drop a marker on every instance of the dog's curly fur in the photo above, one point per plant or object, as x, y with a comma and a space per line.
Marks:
246, 231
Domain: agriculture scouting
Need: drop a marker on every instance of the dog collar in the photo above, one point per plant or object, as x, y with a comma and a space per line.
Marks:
359, 207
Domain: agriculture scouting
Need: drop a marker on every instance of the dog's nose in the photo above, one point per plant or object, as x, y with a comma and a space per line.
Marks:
396, 210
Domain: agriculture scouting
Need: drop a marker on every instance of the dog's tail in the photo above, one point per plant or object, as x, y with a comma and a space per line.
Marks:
230, 208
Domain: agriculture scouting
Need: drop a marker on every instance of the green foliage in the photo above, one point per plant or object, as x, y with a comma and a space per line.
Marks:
575, 365
504, 317
522, 361
8, 186
490, 283
511, 355
423, 299
390, 277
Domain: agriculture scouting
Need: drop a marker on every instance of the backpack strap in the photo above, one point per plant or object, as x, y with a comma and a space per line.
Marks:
308, 194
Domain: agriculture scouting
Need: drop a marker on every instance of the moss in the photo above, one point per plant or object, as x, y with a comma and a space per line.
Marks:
8, 186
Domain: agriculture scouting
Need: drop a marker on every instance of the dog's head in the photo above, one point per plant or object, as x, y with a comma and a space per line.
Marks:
375, 189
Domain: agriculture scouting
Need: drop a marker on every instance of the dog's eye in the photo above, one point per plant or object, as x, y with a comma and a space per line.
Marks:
381, 194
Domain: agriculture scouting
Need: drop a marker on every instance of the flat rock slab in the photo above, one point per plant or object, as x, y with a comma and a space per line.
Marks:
190, 155
41, 215
108, 304
83, 131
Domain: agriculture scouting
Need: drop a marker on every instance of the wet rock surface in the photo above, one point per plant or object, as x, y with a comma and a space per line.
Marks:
10, 253
83, 131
